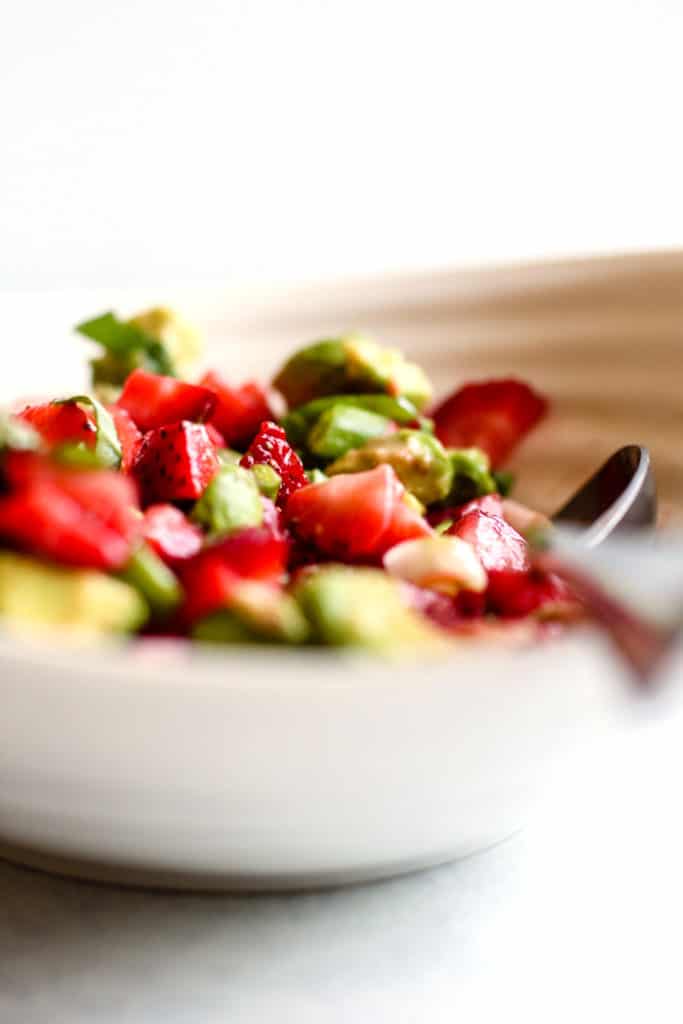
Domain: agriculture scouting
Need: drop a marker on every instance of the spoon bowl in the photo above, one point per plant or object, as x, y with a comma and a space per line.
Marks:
621, 495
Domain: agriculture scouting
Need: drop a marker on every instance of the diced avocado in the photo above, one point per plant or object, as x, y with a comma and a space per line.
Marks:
267, 479
182, 340
419, 460
257, 612
37, 593
154, 580
224, 627
230, 502
299, 421
353, 364
318, 369
342, 427
17, 435
471, 476
387, 368
356, 607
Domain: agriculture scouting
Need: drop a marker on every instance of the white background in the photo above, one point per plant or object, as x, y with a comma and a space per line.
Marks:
156, 140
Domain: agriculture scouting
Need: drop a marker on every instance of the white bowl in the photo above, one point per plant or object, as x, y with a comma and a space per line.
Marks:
264, 769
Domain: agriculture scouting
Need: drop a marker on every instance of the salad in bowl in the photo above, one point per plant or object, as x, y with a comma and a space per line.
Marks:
335, 507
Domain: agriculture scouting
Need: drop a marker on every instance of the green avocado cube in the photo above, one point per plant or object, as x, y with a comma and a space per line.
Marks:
298, 422
419, 460
342, 427
267, 479
348, 606
41, 594
256, 613
154, 580
354, 364
231, 502
471, 475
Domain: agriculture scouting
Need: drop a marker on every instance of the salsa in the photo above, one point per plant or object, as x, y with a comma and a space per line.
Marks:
168, 503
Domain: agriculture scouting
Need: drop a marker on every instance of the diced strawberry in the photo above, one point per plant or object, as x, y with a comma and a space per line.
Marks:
493, 415
171, 534
208, 584
215, 436
210, 578
355, 515
490, 503
129, 436
59, 422
405, 523
153, 400
175, 463
503, 552
270, 447
84, 518
239, 411
519, 594
106, 495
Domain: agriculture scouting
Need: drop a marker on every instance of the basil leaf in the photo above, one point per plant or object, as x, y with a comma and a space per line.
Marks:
121, 338
107, 446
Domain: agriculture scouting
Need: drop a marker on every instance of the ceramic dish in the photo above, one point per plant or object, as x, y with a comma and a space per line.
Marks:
262, 769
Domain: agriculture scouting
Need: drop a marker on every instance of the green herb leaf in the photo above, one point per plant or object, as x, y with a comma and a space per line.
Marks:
121, 339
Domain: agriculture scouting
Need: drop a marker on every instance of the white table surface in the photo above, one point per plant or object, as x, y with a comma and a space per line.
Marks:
577, 918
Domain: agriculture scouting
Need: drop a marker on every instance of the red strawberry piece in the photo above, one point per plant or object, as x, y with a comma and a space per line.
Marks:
106, 495
355, 515
210, 578
153, 400
503, 552
208, 584
270, 447
518, 594
493, 415
239, 411
71, 516
170, 533
490, 503
255, 553
21, 468
129, 436
217, 439
59, 422
175, 462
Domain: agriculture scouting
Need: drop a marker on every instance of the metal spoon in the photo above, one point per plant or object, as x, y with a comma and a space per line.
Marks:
621, 494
